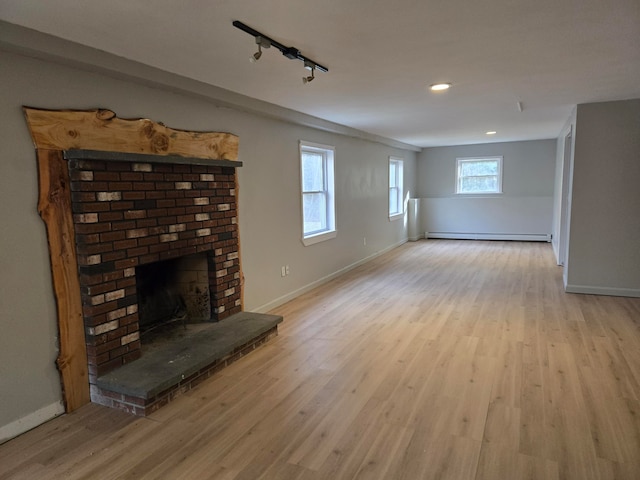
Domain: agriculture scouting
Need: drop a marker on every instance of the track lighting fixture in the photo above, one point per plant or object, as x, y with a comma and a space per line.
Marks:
290, 52
262, 43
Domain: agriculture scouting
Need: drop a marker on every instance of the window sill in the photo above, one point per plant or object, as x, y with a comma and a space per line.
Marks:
479, 194
396, 216
319, 237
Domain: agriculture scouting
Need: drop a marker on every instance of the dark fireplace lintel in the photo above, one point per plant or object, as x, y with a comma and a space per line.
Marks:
81, 154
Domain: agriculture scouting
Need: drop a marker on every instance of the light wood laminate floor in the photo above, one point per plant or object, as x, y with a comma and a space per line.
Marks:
439, 360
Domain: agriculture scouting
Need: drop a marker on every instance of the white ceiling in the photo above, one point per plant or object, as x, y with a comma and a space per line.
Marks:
382, 55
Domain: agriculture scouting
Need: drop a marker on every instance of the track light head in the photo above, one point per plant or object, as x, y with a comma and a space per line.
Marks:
262, 43
308, 79
309, 65
256, 56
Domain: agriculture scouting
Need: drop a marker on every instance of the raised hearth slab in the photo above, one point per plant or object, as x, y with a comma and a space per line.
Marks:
171, 369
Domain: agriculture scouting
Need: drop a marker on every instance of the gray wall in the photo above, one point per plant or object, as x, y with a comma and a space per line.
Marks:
604, 240
524, 208
269, 202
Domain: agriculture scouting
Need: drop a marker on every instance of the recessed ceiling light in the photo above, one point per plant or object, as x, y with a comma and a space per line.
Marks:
438, 87
491, 132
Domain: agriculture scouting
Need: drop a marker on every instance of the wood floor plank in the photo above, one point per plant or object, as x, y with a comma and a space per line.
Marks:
615, 435
437, 360
385, 447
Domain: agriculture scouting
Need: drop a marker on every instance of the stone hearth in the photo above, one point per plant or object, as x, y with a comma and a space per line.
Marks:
170, 368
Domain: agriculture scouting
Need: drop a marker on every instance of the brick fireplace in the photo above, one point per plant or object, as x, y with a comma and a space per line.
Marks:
122, 198
127, 214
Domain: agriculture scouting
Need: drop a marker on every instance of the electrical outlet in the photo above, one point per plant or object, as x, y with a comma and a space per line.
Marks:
364, 241
283, 271
286, 269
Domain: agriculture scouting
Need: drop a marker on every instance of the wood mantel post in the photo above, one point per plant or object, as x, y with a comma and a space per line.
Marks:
54, 206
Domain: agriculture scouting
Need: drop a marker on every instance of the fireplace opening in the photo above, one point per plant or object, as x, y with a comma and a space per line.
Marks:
172, 293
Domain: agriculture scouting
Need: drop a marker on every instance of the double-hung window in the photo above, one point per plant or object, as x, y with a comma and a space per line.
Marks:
318, 199
396, 174
479, 175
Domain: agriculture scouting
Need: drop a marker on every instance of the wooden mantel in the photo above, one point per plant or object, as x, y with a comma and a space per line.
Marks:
102, 130
54, 132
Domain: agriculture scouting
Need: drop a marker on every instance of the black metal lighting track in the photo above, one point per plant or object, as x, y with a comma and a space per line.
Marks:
289, 52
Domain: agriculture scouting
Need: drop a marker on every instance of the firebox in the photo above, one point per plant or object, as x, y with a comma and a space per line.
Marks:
173, 291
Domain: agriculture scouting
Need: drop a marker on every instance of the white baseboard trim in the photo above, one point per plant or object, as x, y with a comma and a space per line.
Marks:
525, 237
591, 290
13, 429
415, 239
296, 293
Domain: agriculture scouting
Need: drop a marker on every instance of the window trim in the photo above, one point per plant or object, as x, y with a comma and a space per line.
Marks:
400, 176
328, 152
461, 160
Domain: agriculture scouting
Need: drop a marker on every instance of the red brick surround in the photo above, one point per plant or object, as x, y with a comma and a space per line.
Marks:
128, 214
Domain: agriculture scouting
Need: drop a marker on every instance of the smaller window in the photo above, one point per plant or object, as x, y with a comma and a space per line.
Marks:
396, 205
318, 202
479, 175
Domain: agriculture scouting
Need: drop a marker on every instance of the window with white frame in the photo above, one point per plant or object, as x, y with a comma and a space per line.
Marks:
479, 175
318, 199
396, 203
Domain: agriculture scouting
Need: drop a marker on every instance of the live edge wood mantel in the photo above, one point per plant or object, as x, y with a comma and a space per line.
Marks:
54, 132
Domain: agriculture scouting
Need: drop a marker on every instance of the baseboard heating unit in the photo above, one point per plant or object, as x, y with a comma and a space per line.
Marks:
524, 237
